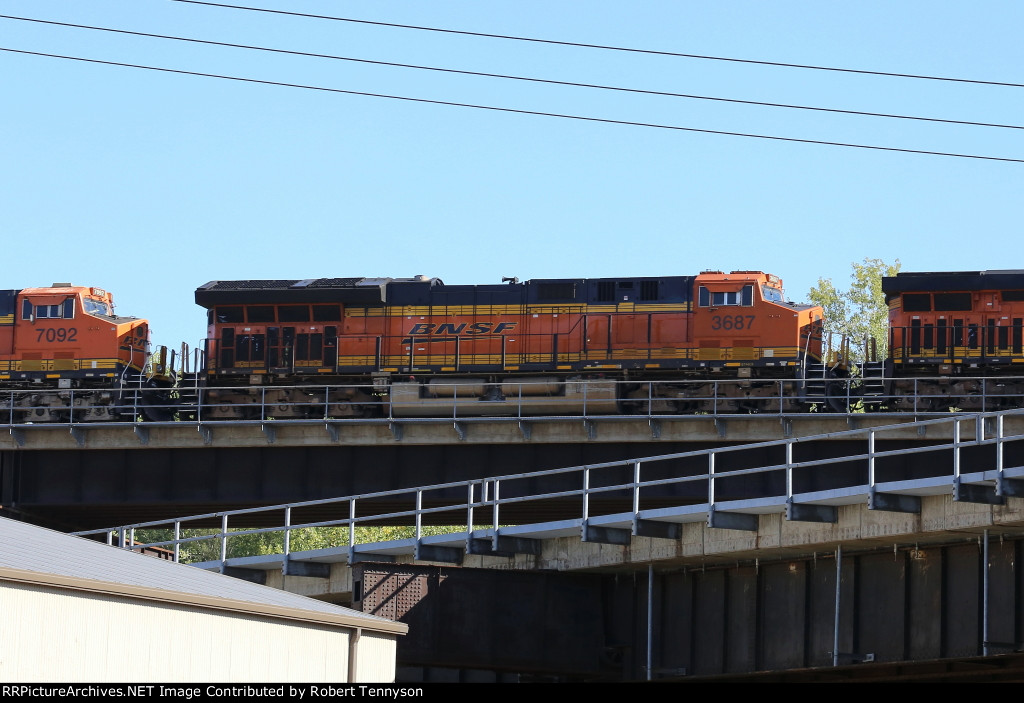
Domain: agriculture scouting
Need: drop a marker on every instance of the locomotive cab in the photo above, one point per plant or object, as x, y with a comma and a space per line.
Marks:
68, 338
741, 321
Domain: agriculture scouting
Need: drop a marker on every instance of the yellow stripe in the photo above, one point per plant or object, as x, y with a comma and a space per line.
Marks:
35, 365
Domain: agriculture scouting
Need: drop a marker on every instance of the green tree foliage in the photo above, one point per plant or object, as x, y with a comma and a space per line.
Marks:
859, 312
243, 545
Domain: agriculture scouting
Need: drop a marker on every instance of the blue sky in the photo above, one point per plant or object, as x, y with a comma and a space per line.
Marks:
150, 184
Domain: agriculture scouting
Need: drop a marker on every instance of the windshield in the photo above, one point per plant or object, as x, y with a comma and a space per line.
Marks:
98, 307
773, 295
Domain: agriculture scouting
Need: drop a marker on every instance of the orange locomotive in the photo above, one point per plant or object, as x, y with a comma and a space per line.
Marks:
512, 348
66, 345
956, 339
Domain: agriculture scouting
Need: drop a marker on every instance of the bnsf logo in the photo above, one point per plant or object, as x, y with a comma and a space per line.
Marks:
464, 328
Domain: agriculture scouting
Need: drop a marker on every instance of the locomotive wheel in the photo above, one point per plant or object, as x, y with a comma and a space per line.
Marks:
836, 398
156, 405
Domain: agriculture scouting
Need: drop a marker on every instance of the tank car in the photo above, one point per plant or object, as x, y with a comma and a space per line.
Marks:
65, 354
655, 344
956, 340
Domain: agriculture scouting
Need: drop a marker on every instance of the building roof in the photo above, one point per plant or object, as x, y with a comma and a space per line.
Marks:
32, 554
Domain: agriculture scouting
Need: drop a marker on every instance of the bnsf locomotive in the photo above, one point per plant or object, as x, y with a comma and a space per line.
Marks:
956, 339
511, 348
71, 355
344, 347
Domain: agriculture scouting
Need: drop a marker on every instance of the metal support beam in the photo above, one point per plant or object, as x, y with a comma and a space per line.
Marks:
803, 512
974, 493
591, 428
506, 546
19, 436
360, 557
607, 535
143, 434
525, 428
270, 431
396, 430
720, 427
79, 434
655, 428
313, 569
657, 529
449, 555
206, 432
1010, 487
254, 575
460, 430
894, 502
732, 521
332, 431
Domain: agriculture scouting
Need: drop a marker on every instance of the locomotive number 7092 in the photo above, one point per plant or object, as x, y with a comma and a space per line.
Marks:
58, 334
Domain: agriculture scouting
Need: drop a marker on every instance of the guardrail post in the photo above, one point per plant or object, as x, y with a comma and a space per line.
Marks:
177, 544
223, 541
711, 480
496, 502
351, 531
956, 458
287, 531
636, 489
586, 494
419, 517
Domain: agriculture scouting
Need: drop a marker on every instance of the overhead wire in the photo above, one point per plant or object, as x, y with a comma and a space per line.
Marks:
291, 52
515, 110
605, 47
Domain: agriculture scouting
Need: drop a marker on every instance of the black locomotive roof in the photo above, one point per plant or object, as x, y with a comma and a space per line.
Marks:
422, 290
949, 281
309, 290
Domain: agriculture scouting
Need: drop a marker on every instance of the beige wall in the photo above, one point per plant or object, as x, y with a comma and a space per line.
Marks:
55, 634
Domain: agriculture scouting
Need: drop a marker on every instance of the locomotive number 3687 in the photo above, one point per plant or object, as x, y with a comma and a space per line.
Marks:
732, 322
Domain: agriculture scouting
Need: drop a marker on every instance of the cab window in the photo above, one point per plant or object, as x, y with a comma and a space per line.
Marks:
65, 310
706, 298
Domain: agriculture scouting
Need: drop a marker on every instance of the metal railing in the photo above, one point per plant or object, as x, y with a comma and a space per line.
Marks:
631, 492
366, 403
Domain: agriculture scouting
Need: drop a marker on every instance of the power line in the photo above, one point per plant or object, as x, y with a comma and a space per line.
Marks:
516, 78
605, 47
514, 110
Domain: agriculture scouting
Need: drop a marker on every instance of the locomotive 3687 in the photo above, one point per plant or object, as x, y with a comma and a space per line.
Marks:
511, 348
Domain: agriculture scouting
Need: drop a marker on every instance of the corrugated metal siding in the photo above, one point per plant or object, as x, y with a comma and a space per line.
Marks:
375, 661
60, 635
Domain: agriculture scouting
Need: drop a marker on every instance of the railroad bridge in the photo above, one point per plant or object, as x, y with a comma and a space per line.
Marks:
827, 547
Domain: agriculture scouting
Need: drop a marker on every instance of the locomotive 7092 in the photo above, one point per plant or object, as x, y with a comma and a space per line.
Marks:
512, 348
65, 345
